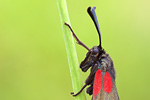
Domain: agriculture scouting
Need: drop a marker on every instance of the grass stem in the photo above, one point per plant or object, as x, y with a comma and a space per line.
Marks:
71, 51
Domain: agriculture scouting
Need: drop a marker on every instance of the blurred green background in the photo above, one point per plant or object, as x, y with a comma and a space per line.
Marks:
33, 61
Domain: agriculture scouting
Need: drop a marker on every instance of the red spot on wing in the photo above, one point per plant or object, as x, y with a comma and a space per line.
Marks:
97, 82
107, 84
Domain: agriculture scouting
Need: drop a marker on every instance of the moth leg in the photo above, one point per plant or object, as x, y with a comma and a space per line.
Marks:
78, 41
72, 93
90, 78
88, 81
84, 68
90, 90
86, 64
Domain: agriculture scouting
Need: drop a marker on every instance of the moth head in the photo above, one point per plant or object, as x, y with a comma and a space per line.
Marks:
93, 54
91, 57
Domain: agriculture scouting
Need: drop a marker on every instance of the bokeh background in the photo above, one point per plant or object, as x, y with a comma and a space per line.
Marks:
33, 61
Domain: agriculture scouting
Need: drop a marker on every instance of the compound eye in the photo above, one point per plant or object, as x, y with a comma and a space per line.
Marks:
95, 51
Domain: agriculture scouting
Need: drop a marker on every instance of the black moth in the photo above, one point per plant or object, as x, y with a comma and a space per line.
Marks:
101, 80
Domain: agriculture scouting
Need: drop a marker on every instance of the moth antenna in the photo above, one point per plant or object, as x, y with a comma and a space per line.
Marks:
78, 41
92, 14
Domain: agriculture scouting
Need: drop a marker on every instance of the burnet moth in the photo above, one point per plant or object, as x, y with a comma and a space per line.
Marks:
101, 80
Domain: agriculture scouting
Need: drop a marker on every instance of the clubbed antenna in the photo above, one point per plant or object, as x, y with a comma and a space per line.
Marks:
78, 41
92, 14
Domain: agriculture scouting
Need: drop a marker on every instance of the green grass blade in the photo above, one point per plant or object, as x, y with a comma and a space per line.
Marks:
71, 51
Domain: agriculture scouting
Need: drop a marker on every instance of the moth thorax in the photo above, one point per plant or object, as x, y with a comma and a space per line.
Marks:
103, 67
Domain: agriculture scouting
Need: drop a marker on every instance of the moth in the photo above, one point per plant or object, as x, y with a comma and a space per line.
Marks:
101, 80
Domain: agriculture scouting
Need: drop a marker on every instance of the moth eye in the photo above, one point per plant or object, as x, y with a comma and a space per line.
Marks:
95, 51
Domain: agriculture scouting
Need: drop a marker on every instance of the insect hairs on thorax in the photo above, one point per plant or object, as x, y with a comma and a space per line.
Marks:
105, 63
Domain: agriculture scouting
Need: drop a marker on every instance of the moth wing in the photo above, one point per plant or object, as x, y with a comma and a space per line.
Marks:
104, 87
